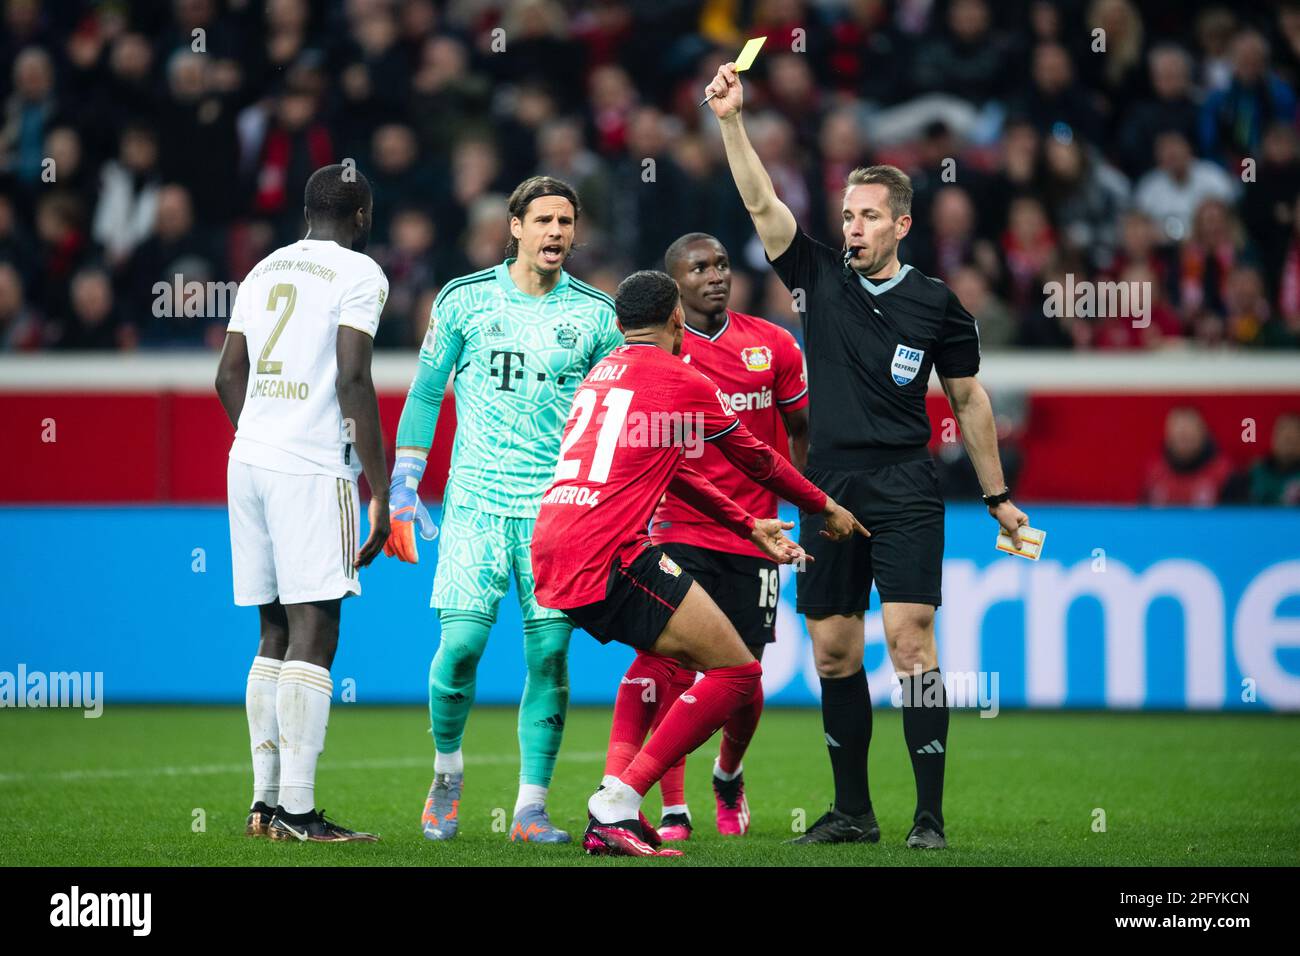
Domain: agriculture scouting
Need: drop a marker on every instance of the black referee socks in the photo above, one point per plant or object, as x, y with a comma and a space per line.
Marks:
846, 718
925, 728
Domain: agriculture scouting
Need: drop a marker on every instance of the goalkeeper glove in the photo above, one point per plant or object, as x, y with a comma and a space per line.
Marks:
406, 510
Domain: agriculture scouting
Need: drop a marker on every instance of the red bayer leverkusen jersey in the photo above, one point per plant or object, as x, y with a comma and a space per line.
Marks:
635, 417
760, 370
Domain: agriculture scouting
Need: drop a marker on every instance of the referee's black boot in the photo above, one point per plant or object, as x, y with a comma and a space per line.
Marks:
837, 827
926, 834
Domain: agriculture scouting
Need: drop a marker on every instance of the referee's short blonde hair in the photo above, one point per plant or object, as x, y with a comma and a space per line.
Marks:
892, 178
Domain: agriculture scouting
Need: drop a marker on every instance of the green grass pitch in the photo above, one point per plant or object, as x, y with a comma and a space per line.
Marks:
132, 787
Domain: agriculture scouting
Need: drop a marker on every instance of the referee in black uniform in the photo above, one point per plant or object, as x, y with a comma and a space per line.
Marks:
873, 329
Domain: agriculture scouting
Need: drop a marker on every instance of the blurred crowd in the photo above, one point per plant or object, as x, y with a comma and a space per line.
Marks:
1104, 140
1191, 470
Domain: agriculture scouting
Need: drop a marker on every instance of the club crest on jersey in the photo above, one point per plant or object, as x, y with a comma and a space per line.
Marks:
757, 359
907, 362
668, 566
566, 335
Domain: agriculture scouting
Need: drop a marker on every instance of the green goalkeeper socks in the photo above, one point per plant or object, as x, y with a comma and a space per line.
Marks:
546, 699
452, 675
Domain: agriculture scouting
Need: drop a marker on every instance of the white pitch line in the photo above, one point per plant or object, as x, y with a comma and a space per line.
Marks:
217, 769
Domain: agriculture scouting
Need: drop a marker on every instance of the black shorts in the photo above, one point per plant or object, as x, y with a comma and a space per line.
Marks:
639, 600
902, 508
745, 587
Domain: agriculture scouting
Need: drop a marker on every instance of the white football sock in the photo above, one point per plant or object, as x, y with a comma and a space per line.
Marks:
448, 763
616, 802
722, 774
302, 706
263, 731
682, 809
530, 794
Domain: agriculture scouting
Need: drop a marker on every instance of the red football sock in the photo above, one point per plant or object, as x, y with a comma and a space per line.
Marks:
692, 720
672, 787
738, 731
647, 680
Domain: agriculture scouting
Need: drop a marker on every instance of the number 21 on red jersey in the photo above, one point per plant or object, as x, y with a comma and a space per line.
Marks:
616, 404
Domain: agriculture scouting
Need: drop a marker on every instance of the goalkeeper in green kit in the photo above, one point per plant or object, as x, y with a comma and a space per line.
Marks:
520, 337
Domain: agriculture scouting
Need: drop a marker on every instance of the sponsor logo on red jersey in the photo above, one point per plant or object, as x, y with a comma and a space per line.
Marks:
750, 401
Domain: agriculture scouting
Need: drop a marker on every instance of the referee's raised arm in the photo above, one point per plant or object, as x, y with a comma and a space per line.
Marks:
773, 219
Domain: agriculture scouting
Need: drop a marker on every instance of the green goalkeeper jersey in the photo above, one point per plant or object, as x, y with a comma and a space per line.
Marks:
518, 360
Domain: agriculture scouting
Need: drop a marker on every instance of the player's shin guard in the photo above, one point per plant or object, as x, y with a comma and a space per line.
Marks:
545, 702
738, 731
846, 719
646, 682
692, 720
451, 675
925, 728
263, 729
302, 705
672, 786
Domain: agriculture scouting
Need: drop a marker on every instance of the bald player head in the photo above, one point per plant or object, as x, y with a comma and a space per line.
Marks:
699, 264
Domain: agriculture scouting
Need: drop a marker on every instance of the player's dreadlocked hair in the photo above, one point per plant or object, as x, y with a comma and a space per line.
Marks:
677, 251
645, 299
535, 187
335, 193
892, 178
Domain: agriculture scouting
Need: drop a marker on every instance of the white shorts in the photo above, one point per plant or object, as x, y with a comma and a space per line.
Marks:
292, 537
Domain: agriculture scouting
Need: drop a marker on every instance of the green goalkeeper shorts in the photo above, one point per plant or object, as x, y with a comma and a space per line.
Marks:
476, 554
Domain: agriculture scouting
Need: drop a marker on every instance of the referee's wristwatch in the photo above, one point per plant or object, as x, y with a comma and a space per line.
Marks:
992, 501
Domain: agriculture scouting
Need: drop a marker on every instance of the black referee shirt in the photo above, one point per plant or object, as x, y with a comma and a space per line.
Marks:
870, 347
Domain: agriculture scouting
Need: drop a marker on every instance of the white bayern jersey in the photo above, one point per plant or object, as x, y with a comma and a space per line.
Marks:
289, 308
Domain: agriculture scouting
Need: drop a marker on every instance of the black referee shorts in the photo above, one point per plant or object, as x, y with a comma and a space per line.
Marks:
902, 508
745, 587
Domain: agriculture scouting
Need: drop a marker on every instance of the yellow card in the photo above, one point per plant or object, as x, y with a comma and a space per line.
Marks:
749, 53
1031, 543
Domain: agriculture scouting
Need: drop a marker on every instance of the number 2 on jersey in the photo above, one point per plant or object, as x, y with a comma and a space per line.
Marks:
283, 290
616, 404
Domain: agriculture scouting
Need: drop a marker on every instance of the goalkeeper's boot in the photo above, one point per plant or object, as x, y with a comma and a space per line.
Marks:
532, 825
733, 809
441, 810
927, 833
837, 827
675, 827
259, 818
312, 827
